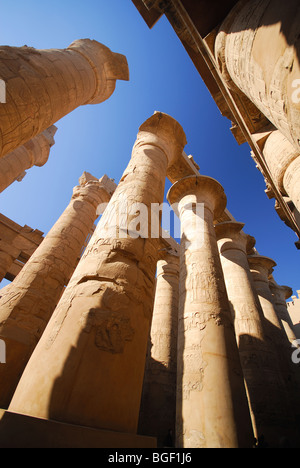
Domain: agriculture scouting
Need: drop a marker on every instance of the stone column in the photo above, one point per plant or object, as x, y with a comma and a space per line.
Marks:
42, 86
30, 301
33, 153
284, 164
257, 50
212, 408
158, 405
88, 367
261, 268
259, 360
280, 295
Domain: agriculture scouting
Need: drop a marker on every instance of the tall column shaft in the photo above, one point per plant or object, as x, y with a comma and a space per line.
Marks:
30, 301
158, 405
88, 367
42, 86
257, 49
258, 358
284, 164
33, 153
212, 408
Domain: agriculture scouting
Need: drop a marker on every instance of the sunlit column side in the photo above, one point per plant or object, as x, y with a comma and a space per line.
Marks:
94, 348
42, 86
257, 50
28, 304
212, 407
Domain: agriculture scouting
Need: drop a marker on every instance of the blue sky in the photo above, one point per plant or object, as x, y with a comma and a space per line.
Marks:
99, 139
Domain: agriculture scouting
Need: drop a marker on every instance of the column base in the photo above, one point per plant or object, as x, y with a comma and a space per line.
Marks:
20, 431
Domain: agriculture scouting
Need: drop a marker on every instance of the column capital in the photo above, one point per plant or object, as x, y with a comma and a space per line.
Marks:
206, 190
108, 67
94, 190
41, 146
261, 267
163, 131
281, 293
231, 236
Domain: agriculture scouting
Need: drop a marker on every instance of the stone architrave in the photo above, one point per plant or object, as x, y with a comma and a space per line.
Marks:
158, 404
280, 296
42, 86
257, 50
6, 260
284, 164
212, 407
32, 297
261, 268
88, 367
258, 358
33, 153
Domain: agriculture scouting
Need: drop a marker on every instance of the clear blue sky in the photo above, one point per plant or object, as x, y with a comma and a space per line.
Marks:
99, 139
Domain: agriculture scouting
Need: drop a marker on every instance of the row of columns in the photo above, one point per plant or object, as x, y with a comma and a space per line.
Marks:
86, 364
257, 51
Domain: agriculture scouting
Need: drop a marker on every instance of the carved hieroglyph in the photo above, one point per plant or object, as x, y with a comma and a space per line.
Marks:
33, 153
265, 388
257, 49
42, 86
88, 367
32, 297
212, 408
158, 405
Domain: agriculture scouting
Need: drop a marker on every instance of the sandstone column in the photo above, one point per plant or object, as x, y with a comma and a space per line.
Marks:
261, 268
32, 297
284, 164
259, 361
158, 405
42, 86
88, 367
33, 153
257, 49
212, 408
280, 295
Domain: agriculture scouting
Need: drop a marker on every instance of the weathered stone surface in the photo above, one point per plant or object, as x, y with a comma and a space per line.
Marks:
17, 244
283, 161
212, 408
33, 153
42, 86
88, 366
257, 49
28, 304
